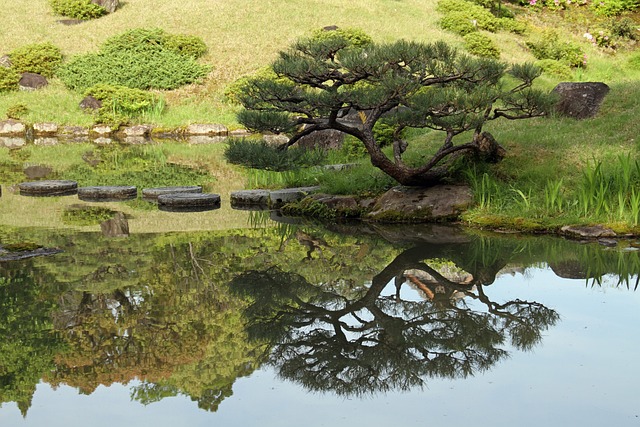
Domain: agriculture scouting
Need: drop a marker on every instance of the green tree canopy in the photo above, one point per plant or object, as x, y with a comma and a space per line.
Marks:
332, 83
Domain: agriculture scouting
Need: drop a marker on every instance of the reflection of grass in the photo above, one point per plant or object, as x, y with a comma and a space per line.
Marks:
86, 215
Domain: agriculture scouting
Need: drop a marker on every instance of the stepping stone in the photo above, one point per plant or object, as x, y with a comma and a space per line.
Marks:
49, 188
279, 198
151, 194
107, 193
188, 202
250, 199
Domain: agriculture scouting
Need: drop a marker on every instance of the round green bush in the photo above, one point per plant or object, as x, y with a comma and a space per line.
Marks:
355, 36
481, 45
40, 58
186, 45
459, 23
77, 9
549, 46
9, 79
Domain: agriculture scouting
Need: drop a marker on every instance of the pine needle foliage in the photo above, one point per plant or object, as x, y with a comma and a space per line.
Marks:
330, 83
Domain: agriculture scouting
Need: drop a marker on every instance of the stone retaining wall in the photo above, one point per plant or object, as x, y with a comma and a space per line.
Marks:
50, 133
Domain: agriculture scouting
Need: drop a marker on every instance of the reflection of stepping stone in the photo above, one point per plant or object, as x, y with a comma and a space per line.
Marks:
250, 199
107, 193
188, 202
48, 188
151, 194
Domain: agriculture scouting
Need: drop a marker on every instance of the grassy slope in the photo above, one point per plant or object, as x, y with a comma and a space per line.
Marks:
244, 36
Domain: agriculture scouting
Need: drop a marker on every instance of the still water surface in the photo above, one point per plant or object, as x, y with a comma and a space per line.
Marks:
277, 324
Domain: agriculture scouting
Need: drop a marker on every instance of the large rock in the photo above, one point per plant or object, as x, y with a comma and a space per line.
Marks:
417, 204
323, 140
580, 100
109, 5
12, 128
587, 231
90, 103
45, 129
32, 81
206, 129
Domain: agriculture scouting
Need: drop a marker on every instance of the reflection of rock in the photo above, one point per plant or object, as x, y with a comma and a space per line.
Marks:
12, 142
118, 226
6, 256
417, 204
205, 139
569, 269
37, 171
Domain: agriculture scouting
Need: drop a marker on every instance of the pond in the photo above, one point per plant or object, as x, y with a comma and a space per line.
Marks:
231, 318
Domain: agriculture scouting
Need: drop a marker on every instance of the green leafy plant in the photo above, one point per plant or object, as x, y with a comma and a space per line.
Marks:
9, 79
614, 7
86, 215
77, 9
555, 67
40, 58
16, 111
481, 45
354, 36
186, 45
624, 28
549, 46
120, 102
140, 59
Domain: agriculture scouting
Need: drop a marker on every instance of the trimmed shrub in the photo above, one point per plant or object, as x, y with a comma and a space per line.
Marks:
550, 47
9, 79
512, 25
140, 59
77, 9
554, 67
463, 17
459, 23
120, 102
481, 45
185, 45
261, 155
355, 36
40, 58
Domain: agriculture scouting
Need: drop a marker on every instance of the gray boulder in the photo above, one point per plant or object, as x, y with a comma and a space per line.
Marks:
109, 5
580, 100
417, 204
32, 81
5, 61
90, 103
322, 140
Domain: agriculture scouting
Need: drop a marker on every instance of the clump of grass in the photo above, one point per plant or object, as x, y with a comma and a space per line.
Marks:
262, 155
86, 215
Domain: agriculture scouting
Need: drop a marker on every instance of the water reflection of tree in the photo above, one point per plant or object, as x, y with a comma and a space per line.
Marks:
378, 341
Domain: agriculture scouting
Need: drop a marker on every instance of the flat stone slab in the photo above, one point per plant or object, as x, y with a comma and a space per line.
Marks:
250, 198
151, 194
107, 193
188, 202
279, 198
48, 188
